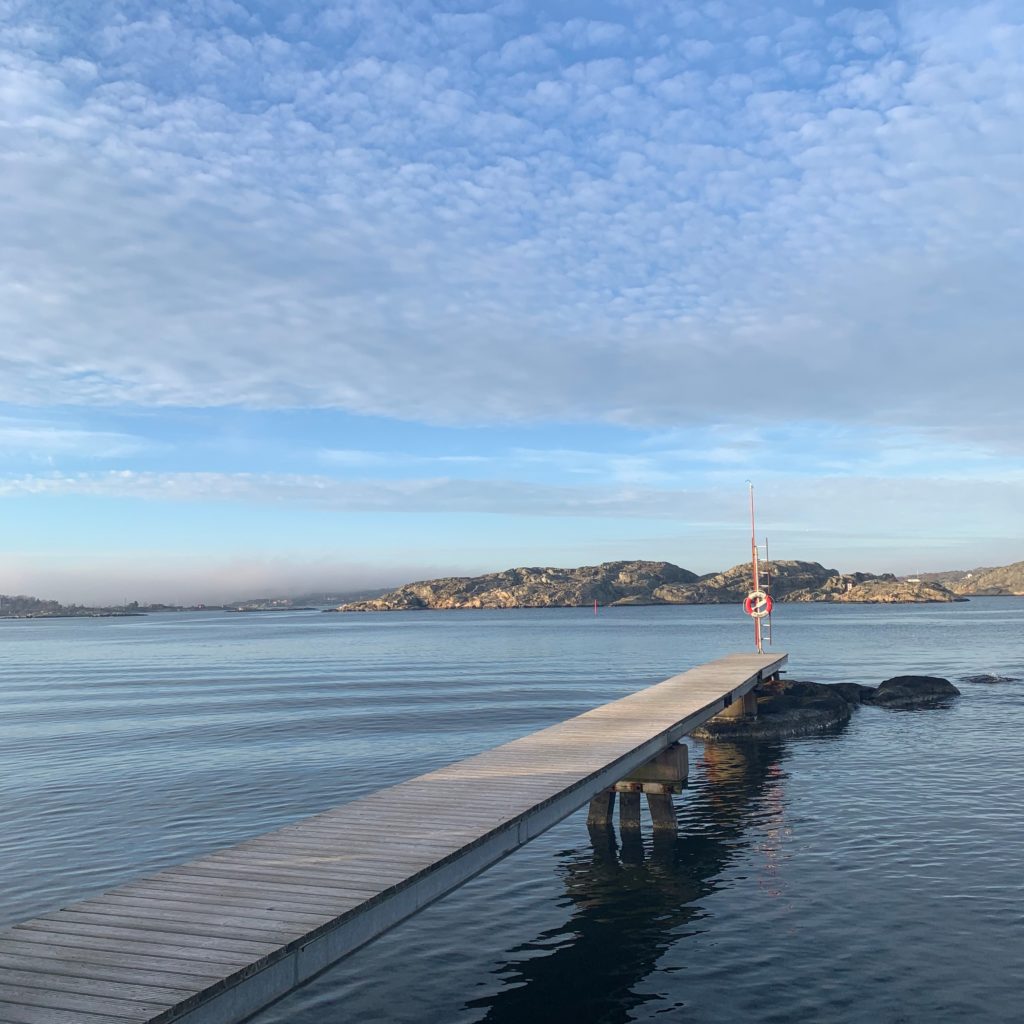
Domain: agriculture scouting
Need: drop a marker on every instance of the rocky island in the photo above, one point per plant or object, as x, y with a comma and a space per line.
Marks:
647, 583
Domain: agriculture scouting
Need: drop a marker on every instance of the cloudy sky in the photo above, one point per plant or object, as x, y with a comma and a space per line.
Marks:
313, 293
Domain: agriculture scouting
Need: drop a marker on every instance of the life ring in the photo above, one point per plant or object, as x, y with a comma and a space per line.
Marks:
758, 604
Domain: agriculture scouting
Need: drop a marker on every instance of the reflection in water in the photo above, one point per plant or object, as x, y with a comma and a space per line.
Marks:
634, 900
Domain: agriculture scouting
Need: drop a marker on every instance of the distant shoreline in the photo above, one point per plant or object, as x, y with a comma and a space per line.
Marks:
76, 615
655, 604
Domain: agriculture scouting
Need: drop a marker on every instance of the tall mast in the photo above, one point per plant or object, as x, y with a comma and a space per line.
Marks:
754, 569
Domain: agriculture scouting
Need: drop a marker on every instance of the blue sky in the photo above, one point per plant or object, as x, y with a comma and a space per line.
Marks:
334, 294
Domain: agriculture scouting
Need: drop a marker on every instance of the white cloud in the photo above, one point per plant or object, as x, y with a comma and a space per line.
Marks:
421, 495
354, 458
583, 33
44, 441
633, 488
226, 211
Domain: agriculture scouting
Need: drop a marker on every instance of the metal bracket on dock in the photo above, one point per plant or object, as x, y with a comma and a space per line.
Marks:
648, 787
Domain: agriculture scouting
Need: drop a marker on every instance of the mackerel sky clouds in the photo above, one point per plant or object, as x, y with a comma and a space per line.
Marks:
324, 294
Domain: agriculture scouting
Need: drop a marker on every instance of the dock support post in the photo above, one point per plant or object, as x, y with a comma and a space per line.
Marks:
662, 776
672, 765
663, 812
602, 808
741, 707
629, 810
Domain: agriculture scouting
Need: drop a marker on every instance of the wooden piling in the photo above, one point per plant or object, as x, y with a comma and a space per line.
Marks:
602, 809
663, 812
629, 810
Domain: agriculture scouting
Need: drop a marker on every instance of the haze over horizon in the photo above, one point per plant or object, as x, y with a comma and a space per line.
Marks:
331, 295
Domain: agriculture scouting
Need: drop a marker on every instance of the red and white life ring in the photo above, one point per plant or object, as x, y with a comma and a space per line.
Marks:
758, 604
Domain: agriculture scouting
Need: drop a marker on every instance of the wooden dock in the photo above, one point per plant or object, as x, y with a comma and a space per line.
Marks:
216, 939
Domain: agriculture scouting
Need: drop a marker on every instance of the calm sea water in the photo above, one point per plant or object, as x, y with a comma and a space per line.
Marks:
872, 875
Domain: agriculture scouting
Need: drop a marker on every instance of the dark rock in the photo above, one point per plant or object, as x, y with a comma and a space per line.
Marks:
785, 707
912, 692
986, 678
853, 693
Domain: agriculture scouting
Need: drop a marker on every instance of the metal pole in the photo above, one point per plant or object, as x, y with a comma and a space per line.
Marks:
753, 565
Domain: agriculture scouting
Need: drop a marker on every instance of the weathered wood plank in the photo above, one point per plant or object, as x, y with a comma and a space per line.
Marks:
201, 873
358, 846
223, 896
150, 933
351, 865
350, 853
173, 910
310, 870
215, 933
45, 950
62, 969
126, 1009
191, 956
133, 991
343, 839
12, 1013
242, 887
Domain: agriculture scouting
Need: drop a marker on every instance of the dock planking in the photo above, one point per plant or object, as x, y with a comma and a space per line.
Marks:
214, 940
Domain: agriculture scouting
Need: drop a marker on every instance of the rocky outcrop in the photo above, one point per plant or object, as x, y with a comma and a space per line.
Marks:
912, 692
885, 589
730, 587
1002, 581
608, 583
791, 580
949, 578
988, 678
853, 693
785, 707
626, 583
984, 581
